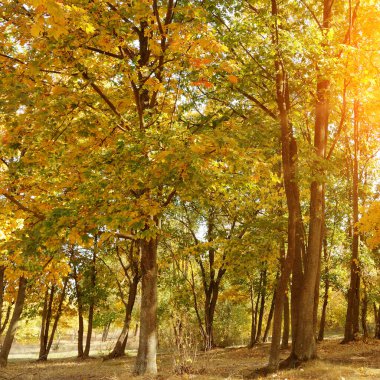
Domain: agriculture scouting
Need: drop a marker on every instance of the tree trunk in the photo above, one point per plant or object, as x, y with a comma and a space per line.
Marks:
86, 352
289, 157
352, 316
253, 319
285, 334
80, 313
304, 346
270, 316
326, 280
262, 307
119, 349
147, 352
364, 313
106, 329
12, 328
377, 321
46, 341
45, 324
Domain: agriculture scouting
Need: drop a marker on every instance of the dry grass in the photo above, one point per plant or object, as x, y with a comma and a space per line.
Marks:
339, 362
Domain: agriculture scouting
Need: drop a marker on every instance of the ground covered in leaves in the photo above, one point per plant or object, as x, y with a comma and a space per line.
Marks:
354, 361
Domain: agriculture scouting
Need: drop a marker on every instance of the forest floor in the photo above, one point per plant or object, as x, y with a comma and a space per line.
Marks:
354, 361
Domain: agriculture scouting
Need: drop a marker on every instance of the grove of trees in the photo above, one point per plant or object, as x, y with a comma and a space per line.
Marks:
178, 164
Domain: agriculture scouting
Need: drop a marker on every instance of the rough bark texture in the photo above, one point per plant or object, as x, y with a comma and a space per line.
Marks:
12, 328
147, 352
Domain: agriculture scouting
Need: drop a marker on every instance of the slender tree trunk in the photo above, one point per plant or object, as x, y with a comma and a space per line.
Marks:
80, 314
352, 316
46, 319
376, 312
2, 289
253, 319
12, 328
146, 356
270, 316
262, 307
106, 329
285, 334
364, 313
86, 352
119, 349
57, 316
326, 281
46, 339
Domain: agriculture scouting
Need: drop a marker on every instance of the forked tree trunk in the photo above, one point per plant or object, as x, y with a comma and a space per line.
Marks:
304, 346
46, 341
289, 157
12, 328
121, 343
146, 356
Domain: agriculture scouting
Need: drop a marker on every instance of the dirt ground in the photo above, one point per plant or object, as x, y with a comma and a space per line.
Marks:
341, 362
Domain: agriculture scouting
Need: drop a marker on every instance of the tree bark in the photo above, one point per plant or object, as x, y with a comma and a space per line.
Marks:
146, 356
12, 328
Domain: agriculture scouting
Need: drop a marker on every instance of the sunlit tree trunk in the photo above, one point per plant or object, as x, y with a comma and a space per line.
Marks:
121, 343
147, 352
12, 328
